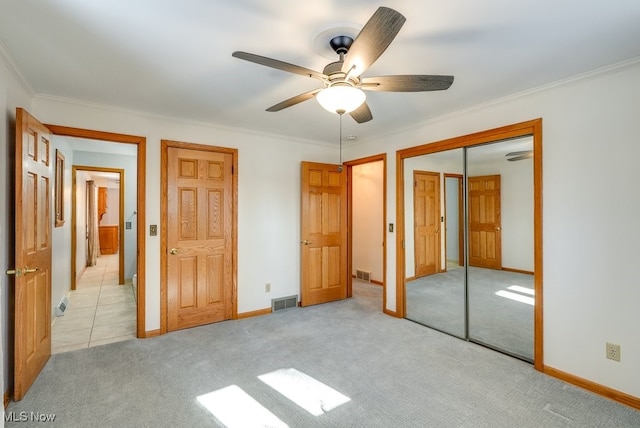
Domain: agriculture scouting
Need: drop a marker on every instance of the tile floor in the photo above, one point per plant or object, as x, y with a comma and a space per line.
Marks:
100, 311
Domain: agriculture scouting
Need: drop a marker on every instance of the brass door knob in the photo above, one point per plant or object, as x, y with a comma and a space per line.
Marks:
173, 251
19, 272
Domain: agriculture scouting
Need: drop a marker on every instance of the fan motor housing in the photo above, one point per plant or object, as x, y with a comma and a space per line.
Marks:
341, 44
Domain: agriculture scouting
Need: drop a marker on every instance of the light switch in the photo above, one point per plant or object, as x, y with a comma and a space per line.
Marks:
153, 230
390, 227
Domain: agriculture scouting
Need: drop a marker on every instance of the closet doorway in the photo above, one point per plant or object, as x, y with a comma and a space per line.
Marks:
488, 287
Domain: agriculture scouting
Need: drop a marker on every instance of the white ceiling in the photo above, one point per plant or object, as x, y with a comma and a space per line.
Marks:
173, 58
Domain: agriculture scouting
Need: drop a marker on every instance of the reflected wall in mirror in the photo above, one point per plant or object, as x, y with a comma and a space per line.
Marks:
475, 273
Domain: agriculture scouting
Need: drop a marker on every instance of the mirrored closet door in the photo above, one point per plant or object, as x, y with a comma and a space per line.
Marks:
469, 243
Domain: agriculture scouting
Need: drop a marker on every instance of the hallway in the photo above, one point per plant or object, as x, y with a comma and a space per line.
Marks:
100, 311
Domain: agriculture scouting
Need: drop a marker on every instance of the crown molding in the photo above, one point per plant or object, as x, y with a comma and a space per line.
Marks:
7, 58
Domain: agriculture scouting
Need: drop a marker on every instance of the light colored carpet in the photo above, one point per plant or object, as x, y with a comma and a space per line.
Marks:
396, 373
437, 301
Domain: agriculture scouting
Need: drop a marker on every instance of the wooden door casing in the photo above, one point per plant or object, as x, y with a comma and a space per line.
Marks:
485, 231
323, 235
199, 237
34, 181
426, 212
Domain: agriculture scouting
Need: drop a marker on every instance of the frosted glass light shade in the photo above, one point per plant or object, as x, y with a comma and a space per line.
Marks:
336, 98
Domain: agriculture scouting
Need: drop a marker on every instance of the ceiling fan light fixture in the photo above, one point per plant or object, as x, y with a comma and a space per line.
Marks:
343, 98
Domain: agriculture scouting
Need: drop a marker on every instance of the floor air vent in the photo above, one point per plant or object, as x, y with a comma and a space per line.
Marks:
62, 306
363, 275
284, 303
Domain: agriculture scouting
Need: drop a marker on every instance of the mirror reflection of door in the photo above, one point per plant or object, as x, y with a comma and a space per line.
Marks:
436, 299
489, 301
426, 215
501, 247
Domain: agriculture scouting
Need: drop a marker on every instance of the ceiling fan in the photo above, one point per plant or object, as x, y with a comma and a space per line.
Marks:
343, 78
516, 156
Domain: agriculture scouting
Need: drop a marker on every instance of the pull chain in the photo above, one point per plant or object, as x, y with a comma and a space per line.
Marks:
340, 113
340, 140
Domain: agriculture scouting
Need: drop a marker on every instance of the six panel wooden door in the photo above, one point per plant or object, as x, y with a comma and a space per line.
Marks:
485, 235
323, 234
426, 215
34, 181
199, 237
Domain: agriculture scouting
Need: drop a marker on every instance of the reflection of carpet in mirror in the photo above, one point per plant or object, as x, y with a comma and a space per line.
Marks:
496, 316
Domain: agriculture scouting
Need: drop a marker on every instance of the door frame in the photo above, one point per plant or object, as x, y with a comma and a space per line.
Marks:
349, 165
74, 219
458, 178
164, 221
529, 128
141, 218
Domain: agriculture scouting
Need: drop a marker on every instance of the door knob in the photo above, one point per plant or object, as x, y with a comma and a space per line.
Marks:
173, 251
305, 242
19, 272
498, 229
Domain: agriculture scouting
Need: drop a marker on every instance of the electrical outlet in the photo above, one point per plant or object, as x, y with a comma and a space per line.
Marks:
613, 352
267, 287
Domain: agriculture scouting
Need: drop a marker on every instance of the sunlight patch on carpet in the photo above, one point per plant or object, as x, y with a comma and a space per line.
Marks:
310, 394
517, 297
234, 408
521, 289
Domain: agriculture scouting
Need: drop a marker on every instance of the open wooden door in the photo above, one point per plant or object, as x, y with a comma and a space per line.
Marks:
485, 231
34, 186
323, 234
426, 215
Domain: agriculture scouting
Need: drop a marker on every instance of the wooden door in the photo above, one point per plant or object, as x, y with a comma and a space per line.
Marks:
485, 235
199, 237
34, 186
426, 216
323, 234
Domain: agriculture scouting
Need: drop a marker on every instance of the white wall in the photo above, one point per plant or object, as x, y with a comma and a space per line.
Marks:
268, 195
367, 211
61, 236
12, 94
591, 208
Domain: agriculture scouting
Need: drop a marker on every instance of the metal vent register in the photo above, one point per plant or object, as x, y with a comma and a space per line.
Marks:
284, 303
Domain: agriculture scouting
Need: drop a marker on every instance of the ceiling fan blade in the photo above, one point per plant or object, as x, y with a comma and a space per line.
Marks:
521, 157
374, 38
362, 114
280, 65
406, 83
294, 100
520, 153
